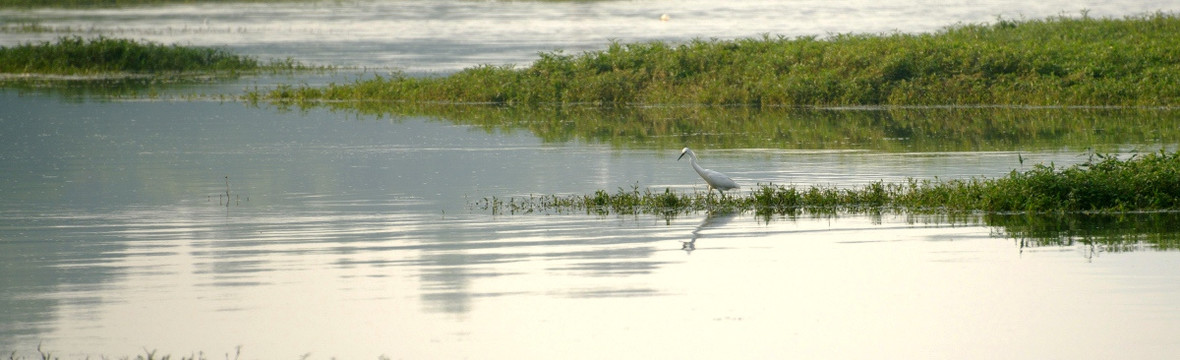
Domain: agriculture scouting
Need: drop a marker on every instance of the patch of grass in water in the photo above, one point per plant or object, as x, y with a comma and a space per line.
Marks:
106, 56
1103, 184
111, 67
75, 55
1131, 61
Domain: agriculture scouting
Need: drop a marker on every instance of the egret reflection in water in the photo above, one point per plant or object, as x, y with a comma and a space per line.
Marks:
711, 220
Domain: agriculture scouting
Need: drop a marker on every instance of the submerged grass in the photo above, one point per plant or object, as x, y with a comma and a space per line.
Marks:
1102, 184
1133, 61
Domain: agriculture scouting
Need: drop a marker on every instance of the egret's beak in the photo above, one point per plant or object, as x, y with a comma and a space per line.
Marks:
681, 155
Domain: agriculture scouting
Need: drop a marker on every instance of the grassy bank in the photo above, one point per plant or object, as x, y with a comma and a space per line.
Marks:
1148, 182
1056, 61
78, 56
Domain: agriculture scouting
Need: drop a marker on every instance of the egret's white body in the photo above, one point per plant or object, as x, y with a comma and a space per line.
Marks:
715, 179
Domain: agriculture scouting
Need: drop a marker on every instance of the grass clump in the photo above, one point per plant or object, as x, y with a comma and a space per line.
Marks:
1088, 61
602, 202
1103, 184
102, 55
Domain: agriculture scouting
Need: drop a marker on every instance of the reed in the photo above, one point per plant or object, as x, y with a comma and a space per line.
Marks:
1132, 61
1102, 184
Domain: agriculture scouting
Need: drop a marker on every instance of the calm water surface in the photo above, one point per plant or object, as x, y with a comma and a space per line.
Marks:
353, 236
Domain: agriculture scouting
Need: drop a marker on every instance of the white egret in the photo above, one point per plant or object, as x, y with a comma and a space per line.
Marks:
715, 179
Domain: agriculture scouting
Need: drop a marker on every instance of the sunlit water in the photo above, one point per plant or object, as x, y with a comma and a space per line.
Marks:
352, 237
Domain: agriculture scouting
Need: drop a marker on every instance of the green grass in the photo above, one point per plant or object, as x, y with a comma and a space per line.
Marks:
1132, 61
78, 56
1102, 184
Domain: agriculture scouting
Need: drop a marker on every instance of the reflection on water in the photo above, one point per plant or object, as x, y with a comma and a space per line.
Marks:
903, 129
85, 278
1108, 232
357, 240
712, 220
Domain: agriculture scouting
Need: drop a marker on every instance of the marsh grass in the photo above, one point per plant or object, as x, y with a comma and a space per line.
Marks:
75, 55
103, 58
1132, 61
1102, 184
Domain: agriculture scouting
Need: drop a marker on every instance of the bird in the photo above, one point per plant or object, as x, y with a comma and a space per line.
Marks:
715, 179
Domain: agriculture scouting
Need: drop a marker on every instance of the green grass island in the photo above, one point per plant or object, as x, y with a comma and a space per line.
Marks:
1058, 61
104, 57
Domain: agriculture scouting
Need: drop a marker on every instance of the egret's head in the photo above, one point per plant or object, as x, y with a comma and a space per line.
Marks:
682, 152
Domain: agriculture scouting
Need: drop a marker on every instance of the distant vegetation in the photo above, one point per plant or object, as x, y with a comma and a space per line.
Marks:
113, 3
1133, 61
75, 55
1102, 184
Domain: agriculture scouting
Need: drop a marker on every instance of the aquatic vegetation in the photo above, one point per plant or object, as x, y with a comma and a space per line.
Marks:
1104, 183
1133, 61
78, 56
75, 55
117, 68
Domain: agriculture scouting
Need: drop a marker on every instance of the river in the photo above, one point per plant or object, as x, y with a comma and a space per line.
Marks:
209, 228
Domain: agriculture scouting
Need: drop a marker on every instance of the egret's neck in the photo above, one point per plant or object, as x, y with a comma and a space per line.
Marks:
692, 159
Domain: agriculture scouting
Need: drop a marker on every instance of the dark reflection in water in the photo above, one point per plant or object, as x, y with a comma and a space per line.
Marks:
80, 89
1108, 232
890, 129
711, 220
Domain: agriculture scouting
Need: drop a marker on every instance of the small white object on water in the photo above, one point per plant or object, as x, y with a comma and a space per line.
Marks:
664, 17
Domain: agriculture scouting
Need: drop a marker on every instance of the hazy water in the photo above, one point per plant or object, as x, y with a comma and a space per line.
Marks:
352, 237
